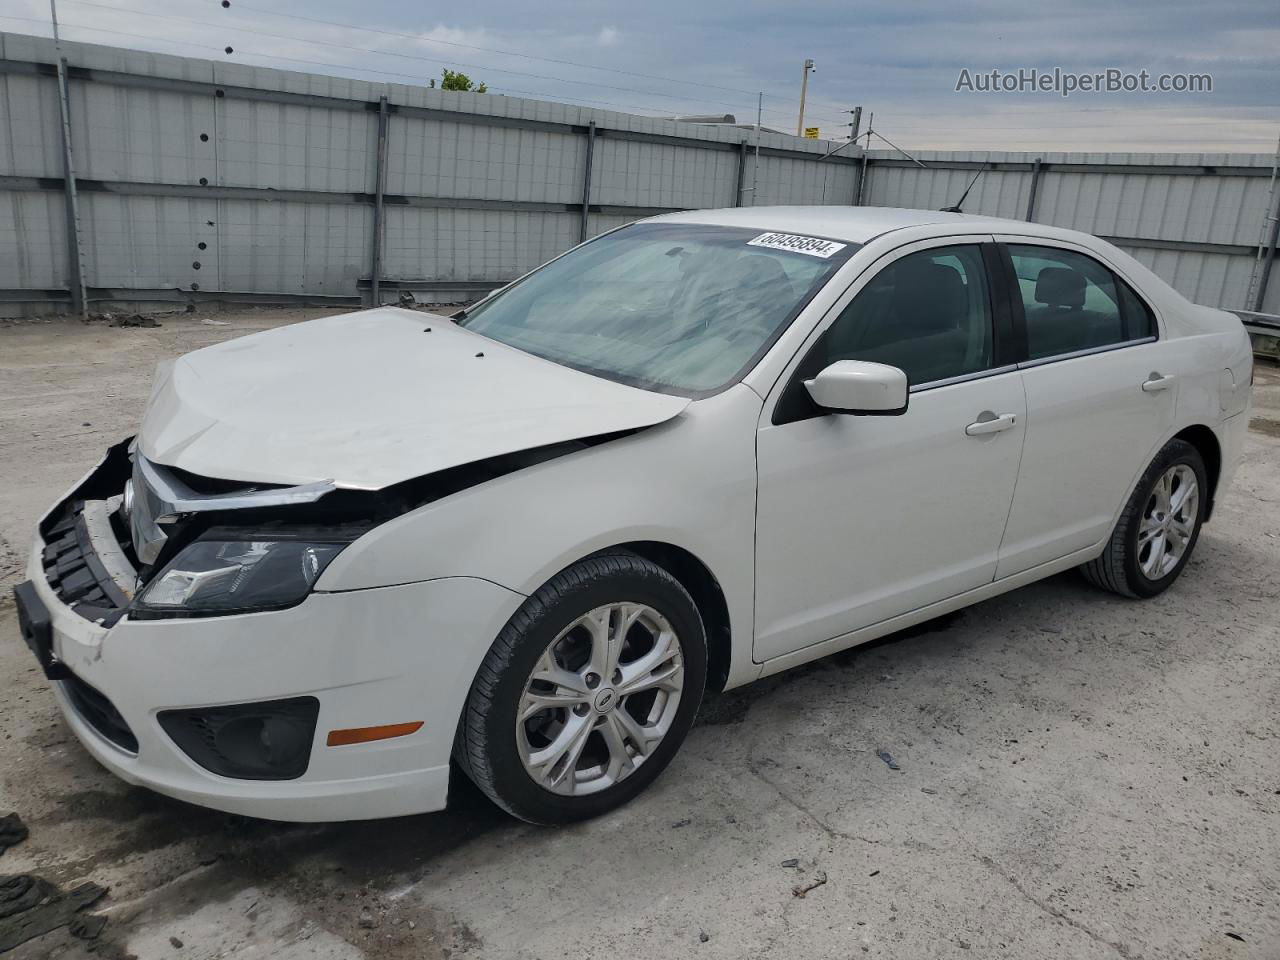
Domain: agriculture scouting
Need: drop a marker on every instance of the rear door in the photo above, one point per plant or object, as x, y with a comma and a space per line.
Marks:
1101, 390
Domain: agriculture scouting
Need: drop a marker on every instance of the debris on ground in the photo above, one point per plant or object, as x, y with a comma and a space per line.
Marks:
790, 864
216, 323
681, 823
87, 926
175, 943
928, 790
20, 892
703, 936
135, 320
41, 907
887, 757
31, 906
1235, 936
802, 890
12, 831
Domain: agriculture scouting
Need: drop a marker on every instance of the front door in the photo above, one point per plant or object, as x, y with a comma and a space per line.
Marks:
863, 518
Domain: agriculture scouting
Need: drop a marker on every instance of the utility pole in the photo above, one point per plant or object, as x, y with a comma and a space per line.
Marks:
75, 278
862, 178
804, 88
855, 124
755, 162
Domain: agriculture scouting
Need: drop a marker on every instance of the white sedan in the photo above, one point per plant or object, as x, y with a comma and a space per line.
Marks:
692, 452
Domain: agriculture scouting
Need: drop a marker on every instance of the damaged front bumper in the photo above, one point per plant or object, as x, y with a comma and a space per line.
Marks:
164, 702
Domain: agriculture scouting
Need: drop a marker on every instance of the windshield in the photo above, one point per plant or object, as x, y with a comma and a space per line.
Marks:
683, 308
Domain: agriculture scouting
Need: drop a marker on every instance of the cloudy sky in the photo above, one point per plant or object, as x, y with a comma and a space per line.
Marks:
901, 60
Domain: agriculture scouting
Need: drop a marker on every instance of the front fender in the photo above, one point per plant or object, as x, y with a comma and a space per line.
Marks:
689, 482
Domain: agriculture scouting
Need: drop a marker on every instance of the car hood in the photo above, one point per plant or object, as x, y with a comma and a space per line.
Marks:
369, 399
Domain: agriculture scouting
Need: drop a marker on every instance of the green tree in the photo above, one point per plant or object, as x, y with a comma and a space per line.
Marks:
454, 80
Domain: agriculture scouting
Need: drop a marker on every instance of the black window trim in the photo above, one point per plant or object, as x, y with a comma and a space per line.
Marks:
1007, 344
1016, 306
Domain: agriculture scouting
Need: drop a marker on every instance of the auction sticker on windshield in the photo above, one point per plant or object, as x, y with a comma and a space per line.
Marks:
812, 246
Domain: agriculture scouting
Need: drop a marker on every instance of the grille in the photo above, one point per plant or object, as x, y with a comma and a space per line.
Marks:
100, 713
75, 573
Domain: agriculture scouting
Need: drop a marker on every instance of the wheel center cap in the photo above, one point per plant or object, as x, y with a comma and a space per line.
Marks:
605, 700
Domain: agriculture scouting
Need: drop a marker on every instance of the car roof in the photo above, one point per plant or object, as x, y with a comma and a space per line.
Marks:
859, 224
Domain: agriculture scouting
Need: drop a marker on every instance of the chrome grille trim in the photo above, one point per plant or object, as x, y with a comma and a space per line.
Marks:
160, 497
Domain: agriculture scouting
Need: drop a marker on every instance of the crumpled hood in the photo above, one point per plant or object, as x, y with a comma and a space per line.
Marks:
369, 399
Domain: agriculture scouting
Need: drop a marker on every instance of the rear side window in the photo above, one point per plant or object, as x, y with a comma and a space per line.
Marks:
928, 313
1072, 303
1138, 321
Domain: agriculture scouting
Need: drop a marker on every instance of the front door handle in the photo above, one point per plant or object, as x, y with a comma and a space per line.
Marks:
1156, 382
988, 422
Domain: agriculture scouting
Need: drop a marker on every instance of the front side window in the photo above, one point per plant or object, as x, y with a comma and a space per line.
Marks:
683, 308
1072, 303
928, 313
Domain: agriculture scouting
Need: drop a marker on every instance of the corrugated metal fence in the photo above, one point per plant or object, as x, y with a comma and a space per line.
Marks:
1194, 219
207, 180
200, 180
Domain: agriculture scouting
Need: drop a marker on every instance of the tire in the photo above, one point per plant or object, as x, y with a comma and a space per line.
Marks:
550, 634
1126, 565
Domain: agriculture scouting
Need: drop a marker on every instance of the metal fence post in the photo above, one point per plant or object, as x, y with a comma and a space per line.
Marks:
586, 180
742, 173
75, 261
1261, 295
1035, 186
379, 177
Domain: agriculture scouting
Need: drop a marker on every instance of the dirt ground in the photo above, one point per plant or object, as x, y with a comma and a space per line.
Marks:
1081, 776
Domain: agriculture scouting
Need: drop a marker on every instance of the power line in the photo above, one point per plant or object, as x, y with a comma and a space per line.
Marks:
508, 53
417, 38
350, 67
390, 53
337, 66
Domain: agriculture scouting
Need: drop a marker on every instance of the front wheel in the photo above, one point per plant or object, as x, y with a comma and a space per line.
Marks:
587, 693
1158, 528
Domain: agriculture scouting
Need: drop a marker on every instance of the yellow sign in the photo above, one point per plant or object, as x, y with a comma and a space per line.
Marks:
811, 133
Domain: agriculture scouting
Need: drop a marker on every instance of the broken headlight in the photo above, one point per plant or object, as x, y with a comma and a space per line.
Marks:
223, 573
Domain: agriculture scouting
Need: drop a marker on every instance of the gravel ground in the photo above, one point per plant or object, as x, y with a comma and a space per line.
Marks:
1081, 776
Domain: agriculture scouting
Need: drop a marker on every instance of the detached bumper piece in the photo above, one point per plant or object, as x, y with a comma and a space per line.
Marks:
248, 741
75, 572
37, 630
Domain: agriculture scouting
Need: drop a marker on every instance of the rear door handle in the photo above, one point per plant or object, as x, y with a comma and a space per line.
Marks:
1157, 382
988, 422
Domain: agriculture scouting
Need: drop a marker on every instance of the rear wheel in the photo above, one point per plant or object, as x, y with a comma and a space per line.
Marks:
587, 693
1159, 527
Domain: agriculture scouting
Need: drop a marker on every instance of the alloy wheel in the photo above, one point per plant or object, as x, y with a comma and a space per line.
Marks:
1168, 521
600, 699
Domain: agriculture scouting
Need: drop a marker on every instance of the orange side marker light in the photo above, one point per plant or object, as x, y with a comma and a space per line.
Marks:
342, 738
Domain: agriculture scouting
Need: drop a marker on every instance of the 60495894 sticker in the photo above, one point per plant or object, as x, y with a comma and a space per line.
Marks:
811, 246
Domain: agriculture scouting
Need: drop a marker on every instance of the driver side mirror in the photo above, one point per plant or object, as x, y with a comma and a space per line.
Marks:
860, 388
